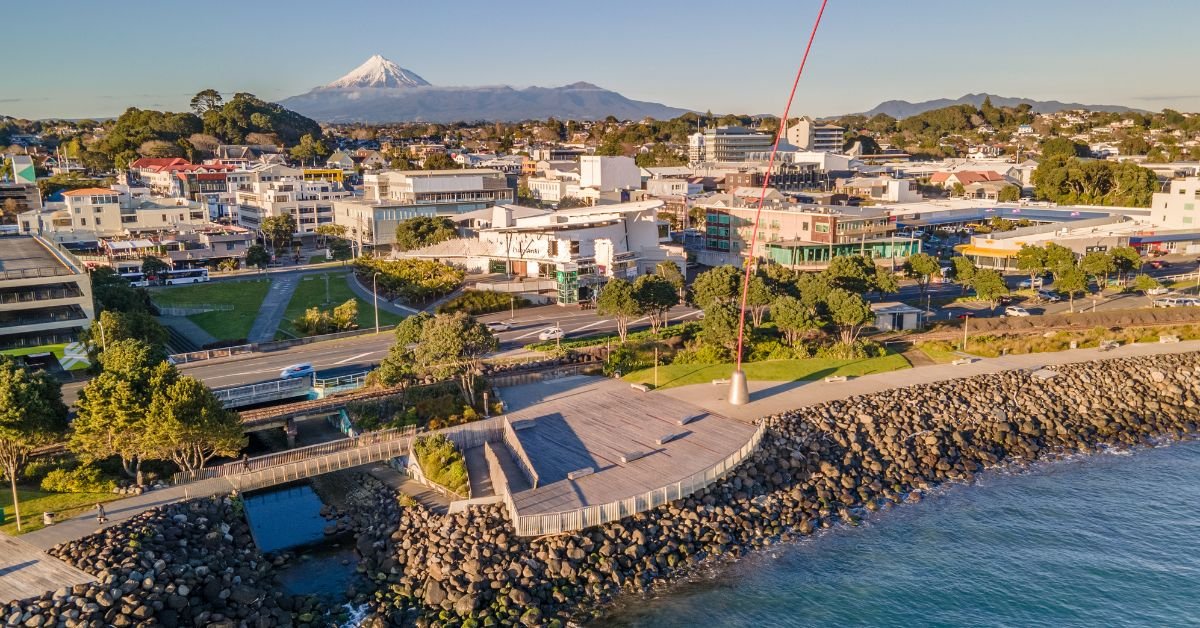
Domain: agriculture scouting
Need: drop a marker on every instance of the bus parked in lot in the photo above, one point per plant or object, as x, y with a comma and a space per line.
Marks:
167, 278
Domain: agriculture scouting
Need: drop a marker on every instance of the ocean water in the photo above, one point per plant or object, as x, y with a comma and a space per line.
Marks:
1106, 540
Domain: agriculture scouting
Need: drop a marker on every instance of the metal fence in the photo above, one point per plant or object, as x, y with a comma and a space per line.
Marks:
341, 380
522, 459
569, 521
274, 389
209, 354
296, 456
274, 345
375, 452
533, 376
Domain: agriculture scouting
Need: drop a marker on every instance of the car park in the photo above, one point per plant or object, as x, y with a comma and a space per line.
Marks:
550, 333
1014, 310
303, 369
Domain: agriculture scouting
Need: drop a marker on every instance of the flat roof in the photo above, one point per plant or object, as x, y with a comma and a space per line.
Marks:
24, 252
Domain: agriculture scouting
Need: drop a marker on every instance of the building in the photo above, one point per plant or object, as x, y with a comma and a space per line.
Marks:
161, 174
1177, 206
23, 170
45, 294
796, 235
810, 136
557, 153
24, 197
609, 173
392, 197
246, 156
570, 253
91, 213
731, 144
309, 202
884, 189
896, 316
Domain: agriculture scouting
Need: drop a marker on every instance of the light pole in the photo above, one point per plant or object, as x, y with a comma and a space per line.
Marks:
512, 308
375, 293
966, 322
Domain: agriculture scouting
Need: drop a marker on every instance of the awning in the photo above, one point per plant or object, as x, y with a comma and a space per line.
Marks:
970, 249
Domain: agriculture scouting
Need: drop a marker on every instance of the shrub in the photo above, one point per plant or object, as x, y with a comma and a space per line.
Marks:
442, 462
476, 302
702, 354
624, 359
85, 479
39, 468
774, 350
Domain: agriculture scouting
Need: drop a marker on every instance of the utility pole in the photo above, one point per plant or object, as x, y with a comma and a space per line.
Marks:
655, 366
966, 321
512, 307
375, 293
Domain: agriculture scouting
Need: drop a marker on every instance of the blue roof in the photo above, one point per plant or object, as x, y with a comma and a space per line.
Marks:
979, 214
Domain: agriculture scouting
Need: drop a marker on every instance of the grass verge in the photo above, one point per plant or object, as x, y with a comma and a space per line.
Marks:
34, 502
246, 297
672, 375
311, 293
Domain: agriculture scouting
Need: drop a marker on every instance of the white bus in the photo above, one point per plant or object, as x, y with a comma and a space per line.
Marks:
187, 275
137, 280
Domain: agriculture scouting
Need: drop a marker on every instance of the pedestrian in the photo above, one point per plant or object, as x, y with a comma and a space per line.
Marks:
101, 516
245, 463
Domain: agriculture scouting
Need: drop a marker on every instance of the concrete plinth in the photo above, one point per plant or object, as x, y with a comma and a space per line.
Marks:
739, 388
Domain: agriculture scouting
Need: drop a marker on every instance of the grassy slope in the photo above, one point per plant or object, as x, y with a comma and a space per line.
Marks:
311, 293
246, 297
35, 502
771, 370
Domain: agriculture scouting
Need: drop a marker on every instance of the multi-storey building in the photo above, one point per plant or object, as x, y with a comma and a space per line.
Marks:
795, 235
45, 296
161, 174
92, 213
1179, 206
23, 196
733, 143
808, 135
392, 197
309, 202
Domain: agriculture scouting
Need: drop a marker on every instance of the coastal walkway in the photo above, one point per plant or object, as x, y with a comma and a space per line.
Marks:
25, 571
768, 398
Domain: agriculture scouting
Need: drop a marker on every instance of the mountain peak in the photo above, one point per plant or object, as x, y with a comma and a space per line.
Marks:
379, 72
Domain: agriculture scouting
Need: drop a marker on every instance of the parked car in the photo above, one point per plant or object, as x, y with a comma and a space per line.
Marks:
1014, 310
1175, 302
1159, 290
1158, 264
1036, 282
303, 369
550, 333
496, 326
1004, 300
966, 315
1048, 297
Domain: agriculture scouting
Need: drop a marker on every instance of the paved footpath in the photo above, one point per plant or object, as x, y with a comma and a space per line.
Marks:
270, 313
767, 398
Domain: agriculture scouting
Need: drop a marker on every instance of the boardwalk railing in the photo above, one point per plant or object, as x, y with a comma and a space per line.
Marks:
374, 452
569, 521
522, 459
298, 455
265, 391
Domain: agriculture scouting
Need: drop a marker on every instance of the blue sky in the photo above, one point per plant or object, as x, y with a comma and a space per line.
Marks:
78, 58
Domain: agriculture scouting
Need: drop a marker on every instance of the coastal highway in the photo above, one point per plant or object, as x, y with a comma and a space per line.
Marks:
359, 352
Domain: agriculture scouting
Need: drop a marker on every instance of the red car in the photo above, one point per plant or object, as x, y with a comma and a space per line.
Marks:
1157, 264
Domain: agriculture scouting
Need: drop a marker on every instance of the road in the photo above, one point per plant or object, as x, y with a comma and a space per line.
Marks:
360, 352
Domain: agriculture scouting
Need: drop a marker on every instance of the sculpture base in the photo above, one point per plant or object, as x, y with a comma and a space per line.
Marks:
739, 389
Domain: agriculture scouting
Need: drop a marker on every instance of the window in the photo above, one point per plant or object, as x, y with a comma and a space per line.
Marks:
574, 247
553, 248
821, 227
1187, 220
804, 226
1189, 206
97, 221
83, 221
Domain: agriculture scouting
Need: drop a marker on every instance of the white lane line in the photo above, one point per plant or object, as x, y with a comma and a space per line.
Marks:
644, 318
532, 333
683, 316
354, 357
579, 329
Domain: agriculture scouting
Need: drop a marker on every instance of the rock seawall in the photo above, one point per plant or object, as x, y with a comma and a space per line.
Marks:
817, 466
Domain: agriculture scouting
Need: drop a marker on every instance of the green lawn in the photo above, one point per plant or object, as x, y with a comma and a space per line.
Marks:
771, 370
58, 350
246, 297
938, 354
311, 293
35, 502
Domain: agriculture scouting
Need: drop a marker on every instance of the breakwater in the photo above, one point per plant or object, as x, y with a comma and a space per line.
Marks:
817, 467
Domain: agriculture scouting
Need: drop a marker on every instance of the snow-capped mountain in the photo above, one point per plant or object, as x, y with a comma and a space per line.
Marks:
381, 91
379, 72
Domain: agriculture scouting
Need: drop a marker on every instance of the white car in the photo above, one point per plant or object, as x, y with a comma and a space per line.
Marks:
1027, 284
1049, 297
1175, 302
496, 326
1157, 291
1013, 310
550, 333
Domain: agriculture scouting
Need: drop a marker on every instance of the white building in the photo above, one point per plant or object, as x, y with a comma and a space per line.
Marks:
731, 144
810, 136
309, 202
1177, 207
609, 173
91, 213
673, 187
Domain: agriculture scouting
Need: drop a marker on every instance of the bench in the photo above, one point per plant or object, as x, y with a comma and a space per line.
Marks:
836, 378
1109, 345
720, 382
691, 417
578, 473
641, 387
1168, 339
630, 456
962, 361
666, 438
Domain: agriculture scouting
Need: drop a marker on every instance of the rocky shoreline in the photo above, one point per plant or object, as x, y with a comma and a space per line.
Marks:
817, 467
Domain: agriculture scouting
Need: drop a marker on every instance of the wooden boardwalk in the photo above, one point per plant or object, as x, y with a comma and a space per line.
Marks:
582, 422
26, 572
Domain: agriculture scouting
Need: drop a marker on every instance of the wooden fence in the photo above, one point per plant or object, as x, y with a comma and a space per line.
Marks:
522, 458
572, 520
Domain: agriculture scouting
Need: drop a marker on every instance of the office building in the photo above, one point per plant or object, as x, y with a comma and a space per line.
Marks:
45, 294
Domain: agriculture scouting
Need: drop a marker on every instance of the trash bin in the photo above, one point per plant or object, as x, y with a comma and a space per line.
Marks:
47, 518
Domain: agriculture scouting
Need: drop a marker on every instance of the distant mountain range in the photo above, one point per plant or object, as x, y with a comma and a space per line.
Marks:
380, 91
903, 109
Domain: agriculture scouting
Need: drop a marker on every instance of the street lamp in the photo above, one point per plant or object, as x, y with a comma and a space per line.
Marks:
375, 293
966, 322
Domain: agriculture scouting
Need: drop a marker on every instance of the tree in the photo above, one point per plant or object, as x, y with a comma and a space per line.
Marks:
279, 229
1145, 283
397, 366
206, 100
439, 161
453, 345
989, 285
187, 424
964, 271
670, 271
1071, 280
618, 299
923, 267
1032, 259
722, 284
345, 316
854, 273
780, 278
958, 189
885, 282
423, 231
655, 296
309, 149
32, 415
793, 318
256, 255
1009, 194
113, 326
719, 328
849, 312
1126, 260
330, 231
112, 292
758, 299
1063, 147
1058, 257
1098, 264
153, 266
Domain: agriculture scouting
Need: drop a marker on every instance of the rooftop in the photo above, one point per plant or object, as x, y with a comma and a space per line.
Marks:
25, 256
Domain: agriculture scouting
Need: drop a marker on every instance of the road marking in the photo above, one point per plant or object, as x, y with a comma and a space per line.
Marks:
522, 336
579, 329
683, 316
354, 357
644, 318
